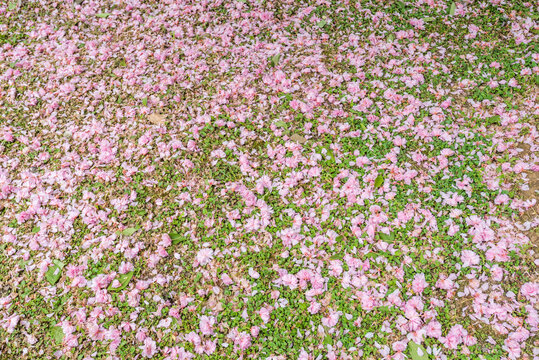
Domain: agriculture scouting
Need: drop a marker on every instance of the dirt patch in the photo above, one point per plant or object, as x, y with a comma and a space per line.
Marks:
531, 214
531, 192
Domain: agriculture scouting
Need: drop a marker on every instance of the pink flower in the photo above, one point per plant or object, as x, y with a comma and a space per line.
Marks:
175, 313
314, 308
469, 340
497, 273
227, 279
417, 23
265, 314
181, 354
209, 347
513, 348
419, 284
133, 297
399, 346
11, 323
204, 256
290, 280
520, 167
331, 320
141, 335
255, 330
434, 329
125, 267
253, 273
469, 258
501, 199
193, 338
529, 290
149, 348
206, 323
243, 340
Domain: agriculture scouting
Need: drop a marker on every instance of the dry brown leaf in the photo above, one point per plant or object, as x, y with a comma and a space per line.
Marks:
157, 119
298, 138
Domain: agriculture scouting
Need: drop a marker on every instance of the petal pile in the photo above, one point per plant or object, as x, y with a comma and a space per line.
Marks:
253, 179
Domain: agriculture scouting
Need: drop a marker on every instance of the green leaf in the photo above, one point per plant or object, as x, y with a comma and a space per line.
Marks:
103, 15
57, 334
281, 124
175, 238
321, 23
378, 181
54, 272
386, 237
35, 229
328, 340
129, 231
417, 352
58, 263
145, 101
452, 9
124, 280
496, 119
275, 59
428, 18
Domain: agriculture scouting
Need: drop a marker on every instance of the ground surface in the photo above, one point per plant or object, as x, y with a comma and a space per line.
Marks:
268, 179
